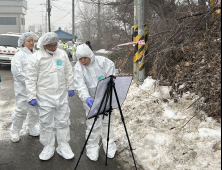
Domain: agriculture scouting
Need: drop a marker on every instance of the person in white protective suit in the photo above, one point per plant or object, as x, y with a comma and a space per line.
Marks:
74, 47
49, 81
60, 45
88, 71
23, 109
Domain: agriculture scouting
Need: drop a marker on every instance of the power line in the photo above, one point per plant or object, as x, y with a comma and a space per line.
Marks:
60, 9
59, 12
58, 6
36, 12
33, 8
109, 3
62, 17
64, 3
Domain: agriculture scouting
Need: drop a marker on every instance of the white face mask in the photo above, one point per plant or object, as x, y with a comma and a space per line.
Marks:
51, 52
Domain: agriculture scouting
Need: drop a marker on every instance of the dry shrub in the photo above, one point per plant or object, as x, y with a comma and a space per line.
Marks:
186, 50
189, 51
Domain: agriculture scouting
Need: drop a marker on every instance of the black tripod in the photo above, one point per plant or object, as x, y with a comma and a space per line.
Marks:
108, 95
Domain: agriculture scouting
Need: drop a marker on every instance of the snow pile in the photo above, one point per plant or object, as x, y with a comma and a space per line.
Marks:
5, 120
103, 51
154, 123
6, 111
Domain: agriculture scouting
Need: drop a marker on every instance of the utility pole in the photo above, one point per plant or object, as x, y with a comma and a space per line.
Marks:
42, 18
146, 29
213, 5
44, 23
73, 21
46, 19
141, 34
99, 24
135, 38
49, 15
40, 30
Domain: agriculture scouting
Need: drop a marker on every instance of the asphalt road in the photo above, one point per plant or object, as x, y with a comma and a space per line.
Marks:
24, 155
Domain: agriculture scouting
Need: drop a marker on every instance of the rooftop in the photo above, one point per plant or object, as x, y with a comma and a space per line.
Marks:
18, 3
63, 35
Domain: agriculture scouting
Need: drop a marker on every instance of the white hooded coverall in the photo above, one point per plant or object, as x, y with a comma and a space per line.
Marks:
49, 78
23, 109
86, 80
74, 53
60, 45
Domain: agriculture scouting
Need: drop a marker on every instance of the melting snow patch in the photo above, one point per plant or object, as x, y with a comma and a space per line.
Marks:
148, 83
155, 132
206, 132
103, 51
169, 113
6, 108
6, 111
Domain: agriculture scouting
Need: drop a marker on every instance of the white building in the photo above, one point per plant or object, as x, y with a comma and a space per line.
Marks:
12, 16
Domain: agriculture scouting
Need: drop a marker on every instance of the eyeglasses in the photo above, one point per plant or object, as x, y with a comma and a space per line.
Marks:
52, 46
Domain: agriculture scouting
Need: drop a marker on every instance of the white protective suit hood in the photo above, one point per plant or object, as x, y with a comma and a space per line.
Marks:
87, 77
85, 81
23, 38
38, 44
84, 51
48, 38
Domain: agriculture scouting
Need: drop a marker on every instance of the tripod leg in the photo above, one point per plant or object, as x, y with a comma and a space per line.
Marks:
107, 149
86, 142
110, 112
96, 118
123, 120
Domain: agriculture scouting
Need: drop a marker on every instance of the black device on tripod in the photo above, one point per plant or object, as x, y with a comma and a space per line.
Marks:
108, 99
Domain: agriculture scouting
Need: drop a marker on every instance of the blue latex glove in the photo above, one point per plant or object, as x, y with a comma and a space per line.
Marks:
71, 93
89, 102
33, 102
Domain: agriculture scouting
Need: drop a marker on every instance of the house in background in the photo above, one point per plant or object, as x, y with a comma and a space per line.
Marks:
65, 36
12, 16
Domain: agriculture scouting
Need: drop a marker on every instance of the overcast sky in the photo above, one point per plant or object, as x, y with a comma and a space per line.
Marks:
61, 13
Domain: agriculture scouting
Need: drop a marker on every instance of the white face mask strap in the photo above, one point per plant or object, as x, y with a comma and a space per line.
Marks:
50, 52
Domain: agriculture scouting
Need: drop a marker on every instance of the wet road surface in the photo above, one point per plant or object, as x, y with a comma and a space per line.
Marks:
24, 155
